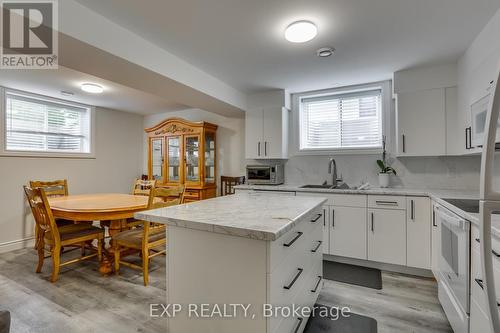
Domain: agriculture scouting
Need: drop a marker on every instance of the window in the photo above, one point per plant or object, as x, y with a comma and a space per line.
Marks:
341, 122
45, 126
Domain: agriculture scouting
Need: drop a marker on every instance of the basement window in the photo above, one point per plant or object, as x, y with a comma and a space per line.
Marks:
341, 122
42, 126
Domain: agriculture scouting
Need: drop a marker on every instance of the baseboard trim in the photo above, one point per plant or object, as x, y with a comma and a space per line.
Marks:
17, 244
382, 266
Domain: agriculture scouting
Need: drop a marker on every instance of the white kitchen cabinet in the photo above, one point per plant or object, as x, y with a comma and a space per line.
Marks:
418, 232
421, 122
348, 232
266, 133
387, 236
435, 246
326, 229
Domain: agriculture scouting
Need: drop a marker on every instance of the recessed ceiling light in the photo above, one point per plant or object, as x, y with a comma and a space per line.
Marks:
301, 32
325, 52
92, 88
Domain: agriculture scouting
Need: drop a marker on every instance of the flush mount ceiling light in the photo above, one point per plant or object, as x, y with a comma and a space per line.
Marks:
325, 52
301, 32
92, 88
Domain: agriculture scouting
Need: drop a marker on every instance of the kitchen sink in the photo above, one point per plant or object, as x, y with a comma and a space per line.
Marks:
340, 186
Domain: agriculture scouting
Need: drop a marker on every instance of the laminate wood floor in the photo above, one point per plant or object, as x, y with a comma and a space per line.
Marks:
84, 301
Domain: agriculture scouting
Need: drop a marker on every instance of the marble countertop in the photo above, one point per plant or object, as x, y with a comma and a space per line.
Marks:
435, 194
250, 215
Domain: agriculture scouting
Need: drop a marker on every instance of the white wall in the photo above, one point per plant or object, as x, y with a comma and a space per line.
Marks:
230, 139
118, 161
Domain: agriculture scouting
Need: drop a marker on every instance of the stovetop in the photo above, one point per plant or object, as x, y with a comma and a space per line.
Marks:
467, 205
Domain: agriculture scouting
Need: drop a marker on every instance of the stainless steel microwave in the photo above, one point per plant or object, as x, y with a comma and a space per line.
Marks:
265, 174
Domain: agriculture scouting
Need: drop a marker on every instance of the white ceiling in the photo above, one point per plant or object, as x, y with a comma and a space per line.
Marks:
241, 42
115, 96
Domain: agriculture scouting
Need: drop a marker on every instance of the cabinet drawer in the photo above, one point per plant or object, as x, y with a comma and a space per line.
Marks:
295, 238
479, 321
346, 200
192, 194
387, 201
476, 279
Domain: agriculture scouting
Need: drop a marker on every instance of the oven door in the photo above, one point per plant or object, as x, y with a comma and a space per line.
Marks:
454, 254
259, 175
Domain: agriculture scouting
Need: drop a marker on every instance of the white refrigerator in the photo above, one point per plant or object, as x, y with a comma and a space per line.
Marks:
489, 202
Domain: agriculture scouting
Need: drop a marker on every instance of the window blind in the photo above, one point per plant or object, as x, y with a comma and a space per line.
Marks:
39, 125
348, 121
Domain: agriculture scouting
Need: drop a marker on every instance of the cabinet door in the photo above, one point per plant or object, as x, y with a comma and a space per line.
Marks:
192, 159
275, 126
209, 159
174, 159
254, 148
418, 232
421, 123
387, 236
436, 245
326, 229
156, 159
348, 232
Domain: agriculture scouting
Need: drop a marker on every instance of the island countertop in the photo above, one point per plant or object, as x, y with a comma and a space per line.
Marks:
251, 215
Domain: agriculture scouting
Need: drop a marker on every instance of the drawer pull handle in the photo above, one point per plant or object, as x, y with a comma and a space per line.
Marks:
300, 233
294, 279
324, 217
373, 222
317, 284
333, 218
386, 203
495, 253
299, 319
317, 218
412, 210
480, 283
317, 247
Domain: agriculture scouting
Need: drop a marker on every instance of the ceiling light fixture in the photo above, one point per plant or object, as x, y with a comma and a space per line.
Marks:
92, 88
325, 52
301, 32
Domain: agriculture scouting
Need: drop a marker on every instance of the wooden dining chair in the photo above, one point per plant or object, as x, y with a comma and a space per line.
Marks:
149, 239
52, 188
55, 237
143, 187
227, 184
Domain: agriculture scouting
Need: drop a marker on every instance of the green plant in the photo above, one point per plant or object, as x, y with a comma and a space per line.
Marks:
384, 168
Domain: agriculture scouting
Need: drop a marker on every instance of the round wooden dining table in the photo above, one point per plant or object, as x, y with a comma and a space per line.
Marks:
111, 209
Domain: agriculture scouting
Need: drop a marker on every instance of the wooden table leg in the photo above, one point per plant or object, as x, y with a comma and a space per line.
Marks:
114, 227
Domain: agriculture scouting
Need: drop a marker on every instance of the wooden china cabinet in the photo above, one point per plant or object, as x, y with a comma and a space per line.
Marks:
184, 152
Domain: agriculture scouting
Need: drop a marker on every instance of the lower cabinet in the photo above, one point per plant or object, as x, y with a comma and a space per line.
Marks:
418, 232
387, 236
435, 245
348, 232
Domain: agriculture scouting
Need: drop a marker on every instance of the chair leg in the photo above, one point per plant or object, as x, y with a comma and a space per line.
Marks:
145, 266
82, 247
41, 255
56, 262
99, 249
117, 259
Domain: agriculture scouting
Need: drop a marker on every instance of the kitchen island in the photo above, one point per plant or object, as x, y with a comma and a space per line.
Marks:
229, 257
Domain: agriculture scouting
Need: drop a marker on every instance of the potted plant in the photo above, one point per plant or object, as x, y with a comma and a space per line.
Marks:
385, 170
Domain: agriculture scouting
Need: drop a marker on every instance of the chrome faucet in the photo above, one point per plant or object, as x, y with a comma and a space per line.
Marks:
333, 171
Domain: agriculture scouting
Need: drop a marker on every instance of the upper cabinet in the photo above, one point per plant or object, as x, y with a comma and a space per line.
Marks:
266, 133
184, 153
423, 100
421, 122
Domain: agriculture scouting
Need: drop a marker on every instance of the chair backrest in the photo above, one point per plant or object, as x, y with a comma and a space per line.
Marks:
54, 188
40, 208
166, 196
227, 184
143, 187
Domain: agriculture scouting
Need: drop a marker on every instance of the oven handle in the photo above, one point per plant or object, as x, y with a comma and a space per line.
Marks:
450, 219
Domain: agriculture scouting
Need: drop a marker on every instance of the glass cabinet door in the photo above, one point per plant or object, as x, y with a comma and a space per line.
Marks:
209, 158
174, 157
157, 159
192, 151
